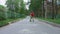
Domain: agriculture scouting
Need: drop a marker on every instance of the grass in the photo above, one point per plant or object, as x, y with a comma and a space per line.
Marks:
5, 22
57, 21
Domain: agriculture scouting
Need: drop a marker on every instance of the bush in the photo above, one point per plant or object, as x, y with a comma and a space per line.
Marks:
58, 16
2, 15
13, 14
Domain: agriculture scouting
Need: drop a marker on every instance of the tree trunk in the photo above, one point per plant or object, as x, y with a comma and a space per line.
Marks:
45, 9
56, 10
52, 9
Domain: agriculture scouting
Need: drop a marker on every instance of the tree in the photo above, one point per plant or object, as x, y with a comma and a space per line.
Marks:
55, 8
3, 12
15, 6
36, 6
45, 4
22, 7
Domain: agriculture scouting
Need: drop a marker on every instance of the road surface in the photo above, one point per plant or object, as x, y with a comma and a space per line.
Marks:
26, 27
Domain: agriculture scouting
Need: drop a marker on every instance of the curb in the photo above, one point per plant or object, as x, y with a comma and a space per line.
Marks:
51, 23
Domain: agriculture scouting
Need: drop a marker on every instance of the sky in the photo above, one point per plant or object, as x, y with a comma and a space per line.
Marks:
26, 0
2, 2
27, 6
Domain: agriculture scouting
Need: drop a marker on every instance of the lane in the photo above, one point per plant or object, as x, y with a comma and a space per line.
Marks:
26, 27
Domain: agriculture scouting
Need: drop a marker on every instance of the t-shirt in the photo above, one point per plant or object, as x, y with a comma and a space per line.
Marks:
32, 14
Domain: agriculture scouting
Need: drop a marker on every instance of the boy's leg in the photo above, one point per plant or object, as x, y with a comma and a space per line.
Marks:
30, 19
33, 19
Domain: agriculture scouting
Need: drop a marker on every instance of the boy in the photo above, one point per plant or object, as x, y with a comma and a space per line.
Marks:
32, 15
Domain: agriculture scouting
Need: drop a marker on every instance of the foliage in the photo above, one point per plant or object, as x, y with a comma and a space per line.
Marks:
36, 6
2, 12
16, 8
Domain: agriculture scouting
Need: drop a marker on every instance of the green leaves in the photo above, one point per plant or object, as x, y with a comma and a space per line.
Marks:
36, 6
16, 6
2, 12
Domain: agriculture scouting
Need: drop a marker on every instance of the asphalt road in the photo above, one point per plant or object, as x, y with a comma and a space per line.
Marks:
26, 27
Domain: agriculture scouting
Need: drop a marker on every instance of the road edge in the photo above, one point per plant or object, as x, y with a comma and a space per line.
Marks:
51, 23
11, 22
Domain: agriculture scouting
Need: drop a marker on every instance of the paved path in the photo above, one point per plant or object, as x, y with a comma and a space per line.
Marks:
26, 27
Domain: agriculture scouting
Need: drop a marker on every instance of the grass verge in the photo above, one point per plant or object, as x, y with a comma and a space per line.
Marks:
57, 21
5, 22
